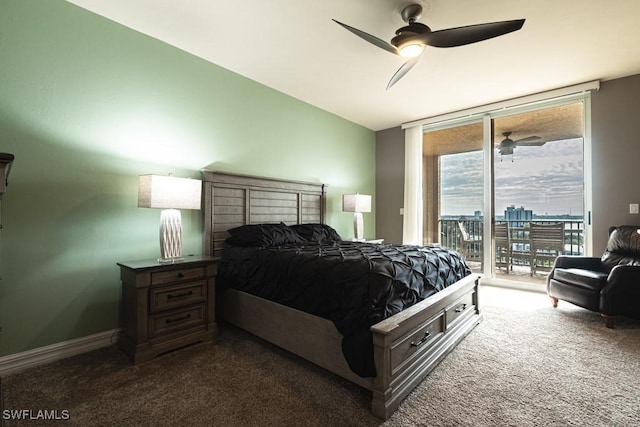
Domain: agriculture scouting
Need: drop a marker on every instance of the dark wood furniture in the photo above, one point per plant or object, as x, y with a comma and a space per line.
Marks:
407, 346
166, 306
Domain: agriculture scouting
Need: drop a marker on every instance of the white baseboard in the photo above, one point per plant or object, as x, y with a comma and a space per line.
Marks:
512, 284
50, 353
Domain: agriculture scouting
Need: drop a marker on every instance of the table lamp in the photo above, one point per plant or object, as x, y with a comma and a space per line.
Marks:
169, 193
357, 203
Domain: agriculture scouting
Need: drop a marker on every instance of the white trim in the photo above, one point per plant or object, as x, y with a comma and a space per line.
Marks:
51, 353
529, 99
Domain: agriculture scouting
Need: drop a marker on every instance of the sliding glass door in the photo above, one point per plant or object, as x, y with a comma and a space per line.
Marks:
538, 183
490, 180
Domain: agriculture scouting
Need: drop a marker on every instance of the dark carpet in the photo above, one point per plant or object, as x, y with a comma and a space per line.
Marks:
526, 364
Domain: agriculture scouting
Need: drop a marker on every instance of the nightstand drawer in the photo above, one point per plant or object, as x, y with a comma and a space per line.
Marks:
178, 275
166, 323
168, 297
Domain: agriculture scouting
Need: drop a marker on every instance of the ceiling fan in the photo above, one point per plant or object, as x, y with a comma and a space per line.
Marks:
411, 40
507, 145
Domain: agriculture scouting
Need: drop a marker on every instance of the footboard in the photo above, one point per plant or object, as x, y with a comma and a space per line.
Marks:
411, 343
407, 345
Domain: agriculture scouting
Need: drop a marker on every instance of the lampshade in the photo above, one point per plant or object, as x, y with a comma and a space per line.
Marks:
356, 203
169, 192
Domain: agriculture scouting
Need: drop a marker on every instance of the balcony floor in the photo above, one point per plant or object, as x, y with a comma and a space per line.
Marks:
520, 273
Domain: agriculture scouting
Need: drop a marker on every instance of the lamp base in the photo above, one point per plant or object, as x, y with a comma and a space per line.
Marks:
170, 235
358, 227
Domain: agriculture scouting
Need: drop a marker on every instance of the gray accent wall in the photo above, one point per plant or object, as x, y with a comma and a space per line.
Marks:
389, 184
615, 124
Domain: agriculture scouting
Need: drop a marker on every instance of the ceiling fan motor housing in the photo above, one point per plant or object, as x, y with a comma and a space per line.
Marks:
406, 34
411, 13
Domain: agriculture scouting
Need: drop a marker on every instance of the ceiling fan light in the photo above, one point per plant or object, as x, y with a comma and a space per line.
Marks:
411, 50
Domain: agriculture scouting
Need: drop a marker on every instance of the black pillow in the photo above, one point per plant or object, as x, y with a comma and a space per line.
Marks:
263, 235
320, 233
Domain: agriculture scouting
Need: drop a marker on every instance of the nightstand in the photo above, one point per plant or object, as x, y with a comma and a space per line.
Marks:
166, 306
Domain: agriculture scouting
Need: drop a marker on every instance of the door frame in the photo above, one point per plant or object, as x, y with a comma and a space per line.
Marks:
573, 94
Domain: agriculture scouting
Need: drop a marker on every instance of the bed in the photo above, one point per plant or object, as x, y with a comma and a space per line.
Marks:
405, 346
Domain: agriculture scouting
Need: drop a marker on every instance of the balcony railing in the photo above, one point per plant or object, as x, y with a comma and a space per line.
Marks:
519, 236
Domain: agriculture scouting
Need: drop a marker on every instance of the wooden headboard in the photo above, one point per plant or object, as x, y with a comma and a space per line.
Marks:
231, 200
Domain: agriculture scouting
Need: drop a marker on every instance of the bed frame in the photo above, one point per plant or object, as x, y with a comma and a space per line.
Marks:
407, 346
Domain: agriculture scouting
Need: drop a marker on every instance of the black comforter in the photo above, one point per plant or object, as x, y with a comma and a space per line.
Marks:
353, 284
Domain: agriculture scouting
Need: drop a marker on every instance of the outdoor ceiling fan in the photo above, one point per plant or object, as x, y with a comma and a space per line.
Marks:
411, 40
507, 145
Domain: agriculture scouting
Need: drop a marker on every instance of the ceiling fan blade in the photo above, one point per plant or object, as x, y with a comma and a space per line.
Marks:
460, 36
531, 143
403, 70
368, 37
527, 139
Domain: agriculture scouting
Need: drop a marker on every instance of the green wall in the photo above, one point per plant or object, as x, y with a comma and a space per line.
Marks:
86, 105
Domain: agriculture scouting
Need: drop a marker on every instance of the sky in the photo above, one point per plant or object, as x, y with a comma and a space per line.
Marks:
547, 180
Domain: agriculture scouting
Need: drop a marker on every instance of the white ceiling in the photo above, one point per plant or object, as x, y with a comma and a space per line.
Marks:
294, 47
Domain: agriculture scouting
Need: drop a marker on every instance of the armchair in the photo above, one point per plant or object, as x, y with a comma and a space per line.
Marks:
609, 285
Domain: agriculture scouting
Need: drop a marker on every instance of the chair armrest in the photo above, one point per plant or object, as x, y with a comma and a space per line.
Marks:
621, 294
582, 262
623, 276
575, 261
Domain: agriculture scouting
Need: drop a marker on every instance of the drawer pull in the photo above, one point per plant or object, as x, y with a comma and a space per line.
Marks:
178, 319
181, 275
422, 340
462, 308
181, 295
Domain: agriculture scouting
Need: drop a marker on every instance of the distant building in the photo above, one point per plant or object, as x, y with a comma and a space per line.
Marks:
518, 216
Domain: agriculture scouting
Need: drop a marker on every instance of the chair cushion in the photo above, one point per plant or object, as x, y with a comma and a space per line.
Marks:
587, 279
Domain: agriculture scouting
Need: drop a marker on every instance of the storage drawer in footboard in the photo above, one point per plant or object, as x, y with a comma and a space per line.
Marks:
461, 308
415, 343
